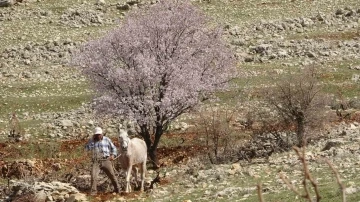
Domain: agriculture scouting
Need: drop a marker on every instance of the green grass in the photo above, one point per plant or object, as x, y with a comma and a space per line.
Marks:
18, 89
46, 32
56, 97
238, 12
58, 9
38, 97
31, 125
273, 189
36, 105
349, 90
37, 29
40, 150
42, 104
319, 33
336, 78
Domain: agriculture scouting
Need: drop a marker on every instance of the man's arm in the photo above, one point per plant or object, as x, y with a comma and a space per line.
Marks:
113, 150
88, 145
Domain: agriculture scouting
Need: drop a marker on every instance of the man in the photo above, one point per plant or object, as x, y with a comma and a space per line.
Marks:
103, 151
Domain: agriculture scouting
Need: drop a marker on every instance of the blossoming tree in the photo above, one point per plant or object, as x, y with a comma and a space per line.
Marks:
160, 62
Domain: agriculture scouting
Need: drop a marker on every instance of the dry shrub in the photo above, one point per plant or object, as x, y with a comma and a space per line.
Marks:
298, 101
346, 109
16, 131
224, 143
274, 131
28, 197
219, 136
356, 117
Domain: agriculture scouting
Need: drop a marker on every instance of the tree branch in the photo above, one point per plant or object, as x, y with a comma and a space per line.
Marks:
341, 185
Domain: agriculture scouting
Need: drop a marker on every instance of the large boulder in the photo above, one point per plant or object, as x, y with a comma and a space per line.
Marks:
6, 3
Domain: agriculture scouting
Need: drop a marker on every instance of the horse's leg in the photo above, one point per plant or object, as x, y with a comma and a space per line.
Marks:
128, 175
143, 170
136, 173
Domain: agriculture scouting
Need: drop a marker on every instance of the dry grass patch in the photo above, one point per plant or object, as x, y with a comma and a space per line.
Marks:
325, 35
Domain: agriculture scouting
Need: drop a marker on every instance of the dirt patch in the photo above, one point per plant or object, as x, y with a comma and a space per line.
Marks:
3, 145
69, 145
174, 155
67, 166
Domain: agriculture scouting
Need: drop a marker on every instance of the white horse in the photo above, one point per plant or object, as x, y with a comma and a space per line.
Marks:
133, 156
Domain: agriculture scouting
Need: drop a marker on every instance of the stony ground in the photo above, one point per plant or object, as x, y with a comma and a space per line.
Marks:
270, 39
237, 181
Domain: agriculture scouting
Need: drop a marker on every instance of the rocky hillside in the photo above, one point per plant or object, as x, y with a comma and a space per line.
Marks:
50, 99
238, 181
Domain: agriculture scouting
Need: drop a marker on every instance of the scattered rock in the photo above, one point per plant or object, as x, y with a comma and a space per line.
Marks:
123, 7
100, 2
355, 67
41, 196
330, 144
6, 3
355, 77
66, 123
351, 190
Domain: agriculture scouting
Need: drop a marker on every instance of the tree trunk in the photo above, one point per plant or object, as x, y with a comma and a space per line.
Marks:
153, 157
152, 152
300, 131
152, 146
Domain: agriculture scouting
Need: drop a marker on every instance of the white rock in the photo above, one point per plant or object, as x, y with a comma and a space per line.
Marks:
30, 163
236, 166
49, 198
40, 196
91, 123
350, 190
355, 77
66, 123
100, 2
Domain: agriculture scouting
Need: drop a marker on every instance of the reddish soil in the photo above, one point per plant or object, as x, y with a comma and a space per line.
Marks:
75, 164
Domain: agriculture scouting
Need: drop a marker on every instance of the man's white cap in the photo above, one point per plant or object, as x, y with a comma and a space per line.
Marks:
98, 130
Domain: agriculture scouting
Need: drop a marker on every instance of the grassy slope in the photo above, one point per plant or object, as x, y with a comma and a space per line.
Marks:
233, 12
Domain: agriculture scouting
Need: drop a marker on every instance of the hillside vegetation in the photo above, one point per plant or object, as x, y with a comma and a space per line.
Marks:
46, 102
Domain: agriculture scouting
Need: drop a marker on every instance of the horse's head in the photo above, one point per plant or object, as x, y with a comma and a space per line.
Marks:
124, 140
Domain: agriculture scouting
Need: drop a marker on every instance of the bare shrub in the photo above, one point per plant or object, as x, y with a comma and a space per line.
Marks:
345, 107
273, 132
341, 105
226, 144
27, 197
298, 102
16, 132
218, 135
